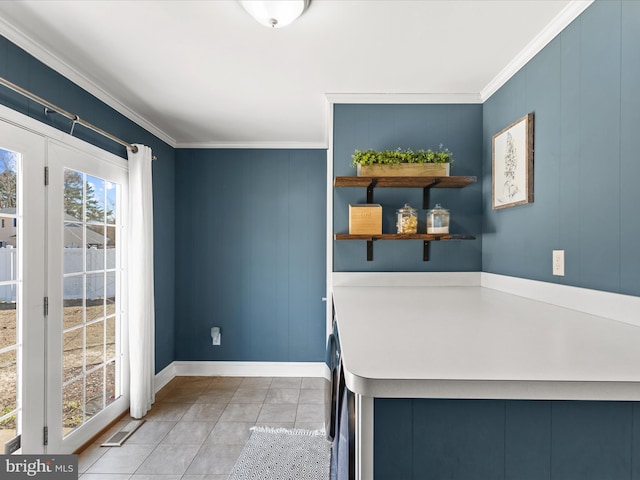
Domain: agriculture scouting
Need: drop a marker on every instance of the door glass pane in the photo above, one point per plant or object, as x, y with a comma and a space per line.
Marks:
72, 402
111, 293
94, 206
73, 348
110, 382
9, 182
8, 258
95, 344
8, 318
95, 288
95, 296
91, 365
110, 338
73, 301
10, 311
110, 251
73, 196
95, 246
95, 392
8, 395
73, 252
110, 194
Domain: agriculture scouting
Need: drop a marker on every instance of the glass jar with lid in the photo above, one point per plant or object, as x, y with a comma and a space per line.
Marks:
407, 220
437, 220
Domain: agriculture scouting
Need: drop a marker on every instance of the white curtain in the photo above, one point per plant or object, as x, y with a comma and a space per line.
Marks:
141, 309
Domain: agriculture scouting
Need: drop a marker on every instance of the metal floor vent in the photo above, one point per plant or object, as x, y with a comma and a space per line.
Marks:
118, 438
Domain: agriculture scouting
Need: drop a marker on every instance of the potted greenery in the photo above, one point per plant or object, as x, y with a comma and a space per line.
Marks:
401, 163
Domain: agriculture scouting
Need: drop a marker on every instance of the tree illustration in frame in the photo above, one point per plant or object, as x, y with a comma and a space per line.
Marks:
512, 164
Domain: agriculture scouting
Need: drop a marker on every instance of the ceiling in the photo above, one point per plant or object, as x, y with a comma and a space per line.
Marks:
204, 73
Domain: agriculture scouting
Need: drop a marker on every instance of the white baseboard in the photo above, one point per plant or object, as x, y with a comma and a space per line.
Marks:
623, 308
241, 369
164, 376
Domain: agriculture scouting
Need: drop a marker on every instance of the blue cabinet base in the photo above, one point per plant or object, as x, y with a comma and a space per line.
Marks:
506, 439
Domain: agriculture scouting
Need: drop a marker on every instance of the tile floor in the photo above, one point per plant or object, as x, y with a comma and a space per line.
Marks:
199, 425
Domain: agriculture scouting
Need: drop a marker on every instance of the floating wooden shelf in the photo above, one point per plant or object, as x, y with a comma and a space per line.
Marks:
426, 183
404, 182
427, 237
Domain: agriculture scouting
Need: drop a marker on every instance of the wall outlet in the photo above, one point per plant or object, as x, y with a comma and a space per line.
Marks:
215, 336
558, 263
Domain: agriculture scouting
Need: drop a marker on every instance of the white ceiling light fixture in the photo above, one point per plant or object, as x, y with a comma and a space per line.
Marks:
275, 13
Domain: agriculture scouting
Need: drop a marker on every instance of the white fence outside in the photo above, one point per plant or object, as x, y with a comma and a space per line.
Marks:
73, 285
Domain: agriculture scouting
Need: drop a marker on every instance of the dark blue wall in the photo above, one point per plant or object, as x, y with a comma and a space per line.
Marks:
506, 440
380, 127
268, 273
19, 67
583, 90
251, 254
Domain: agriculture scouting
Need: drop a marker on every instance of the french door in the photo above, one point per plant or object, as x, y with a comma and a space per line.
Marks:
22, 288
68, 353
86, 249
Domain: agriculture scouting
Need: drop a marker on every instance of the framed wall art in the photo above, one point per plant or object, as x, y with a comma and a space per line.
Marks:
512, 164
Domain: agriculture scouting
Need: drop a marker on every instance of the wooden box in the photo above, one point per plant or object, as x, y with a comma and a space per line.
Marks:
404, 170
365, 219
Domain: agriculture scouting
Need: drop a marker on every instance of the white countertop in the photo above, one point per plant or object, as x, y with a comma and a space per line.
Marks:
476, 342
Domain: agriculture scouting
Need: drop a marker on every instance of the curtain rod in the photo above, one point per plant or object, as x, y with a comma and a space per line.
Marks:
71, 116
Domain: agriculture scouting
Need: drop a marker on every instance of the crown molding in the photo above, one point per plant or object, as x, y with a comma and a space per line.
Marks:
255, 145
559, 23
39, 52
403, 98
